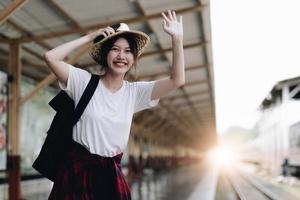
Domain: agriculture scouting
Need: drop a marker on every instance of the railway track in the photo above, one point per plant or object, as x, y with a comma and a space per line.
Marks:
246, 189
235, 185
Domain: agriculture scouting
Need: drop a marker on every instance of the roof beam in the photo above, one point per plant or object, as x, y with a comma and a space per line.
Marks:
29, 34
152, 116
39, 42
171, 98
3, 39
175, 114
86, 65
162, 73
143, 124
154, 52
146, 131
160, 51
142, 11
40, 68
163, 51
83, 66
196, 105
178, 105
10, 9
179, 125
167, 135
202, 109
33, 53
66, 15
50, 78
209, 71
195, 82
104, 24
192, 107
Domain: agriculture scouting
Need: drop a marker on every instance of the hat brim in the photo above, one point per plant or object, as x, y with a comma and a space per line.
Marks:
142, 40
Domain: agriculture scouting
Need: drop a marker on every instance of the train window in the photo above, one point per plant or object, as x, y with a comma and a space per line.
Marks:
292, 87
297, 95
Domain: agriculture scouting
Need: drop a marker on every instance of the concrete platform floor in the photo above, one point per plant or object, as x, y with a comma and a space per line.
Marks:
197, 182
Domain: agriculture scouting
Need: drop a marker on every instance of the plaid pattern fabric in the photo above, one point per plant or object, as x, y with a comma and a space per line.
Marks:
86, 176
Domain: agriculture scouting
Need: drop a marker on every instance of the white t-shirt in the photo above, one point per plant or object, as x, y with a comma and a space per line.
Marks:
105, 124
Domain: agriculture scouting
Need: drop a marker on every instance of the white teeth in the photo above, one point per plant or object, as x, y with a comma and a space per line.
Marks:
120, 63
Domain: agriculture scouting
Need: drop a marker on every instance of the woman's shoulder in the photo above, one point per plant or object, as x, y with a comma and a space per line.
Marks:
137, 82
79, 70
133, 83
138, 85
80, 74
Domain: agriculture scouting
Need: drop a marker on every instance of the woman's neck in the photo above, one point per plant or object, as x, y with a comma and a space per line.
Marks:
112, 83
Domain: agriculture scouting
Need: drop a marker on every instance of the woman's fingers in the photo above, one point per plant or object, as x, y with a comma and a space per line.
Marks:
111, 30
174, 15
170, 16
107, 31
165, 17
104, 34
164, 24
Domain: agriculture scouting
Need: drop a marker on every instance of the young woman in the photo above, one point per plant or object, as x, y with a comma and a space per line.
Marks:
92, 169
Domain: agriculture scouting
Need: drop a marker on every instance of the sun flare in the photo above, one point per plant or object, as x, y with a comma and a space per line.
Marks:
223, 156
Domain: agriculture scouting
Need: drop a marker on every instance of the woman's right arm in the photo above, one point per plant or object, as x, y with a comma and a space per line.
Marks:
54, 57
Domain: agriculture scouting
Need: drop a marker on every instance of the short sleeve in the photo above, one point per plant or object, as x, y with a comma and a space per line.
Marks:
77, 82
143, 96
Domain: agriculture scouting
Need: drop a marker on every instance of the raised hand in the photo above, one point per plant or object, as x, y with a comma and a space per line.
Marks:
102, 31
171, 25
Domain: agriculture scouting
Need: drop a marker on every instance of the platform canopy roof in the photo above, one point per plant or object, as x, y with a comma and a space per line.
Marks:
184, 117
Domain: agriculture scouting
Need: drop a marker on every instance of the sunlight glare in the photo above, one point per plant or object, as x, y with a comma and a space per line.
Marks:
222, 157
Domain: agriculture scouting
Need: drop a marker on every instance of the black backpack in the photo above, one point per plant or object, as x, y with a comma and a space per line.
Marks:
59, 135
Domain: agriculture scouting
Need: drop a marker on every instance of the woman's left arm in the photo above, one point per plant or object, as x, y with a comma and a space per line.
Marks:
173, 27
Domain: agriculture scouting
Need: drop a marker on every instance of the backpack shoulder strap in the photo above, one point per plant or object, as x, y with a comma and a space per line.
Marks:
86, 97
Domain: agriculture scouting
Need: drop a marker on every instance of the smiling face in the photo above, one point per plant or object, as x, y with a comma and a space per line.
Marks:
114, 55
120, 58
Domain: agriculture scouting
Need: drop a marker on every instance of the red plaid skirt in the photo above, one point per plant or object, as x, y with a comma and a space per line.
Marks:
86, 176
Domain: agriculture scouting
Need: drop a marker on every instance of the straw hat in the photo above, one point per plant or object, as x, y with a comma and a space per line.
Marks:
141, 38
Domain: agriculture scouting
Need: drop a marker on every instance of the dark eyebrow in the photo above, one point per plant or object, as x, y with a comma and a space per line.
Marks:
119, 46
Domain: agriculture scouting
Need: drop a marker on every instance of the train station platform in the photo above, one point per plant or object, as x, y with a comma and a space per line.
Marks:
199, 181
185, 183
